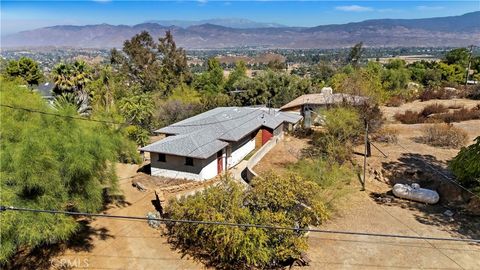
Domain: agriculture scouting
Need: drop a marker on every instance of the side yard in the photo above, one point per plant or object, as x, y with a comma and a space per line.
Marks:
376, 210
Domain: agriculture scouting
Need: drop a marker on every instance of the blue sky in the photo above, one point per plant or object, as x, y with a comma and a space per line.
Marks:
24, 15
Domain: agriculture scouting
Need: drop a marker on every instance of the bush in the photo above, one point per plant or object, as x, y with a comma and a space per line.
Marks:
438, 93
342, 123
342, 126
330, 176
438, 113
386, 135
276, 201
462, 114
444, 135
395, 101
474, 93
409, 117
466, 165
433, 109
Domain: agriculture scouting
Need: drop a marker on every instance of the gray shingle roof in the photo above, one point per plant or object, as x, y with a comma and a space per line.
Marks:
205, 134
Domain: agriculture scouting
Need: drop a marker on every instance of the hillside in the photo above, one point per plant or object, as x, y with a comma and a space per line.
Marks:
432, 32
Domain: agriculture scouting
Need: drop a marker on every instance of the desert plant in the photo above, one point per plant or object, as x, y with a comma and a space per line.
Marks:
433, 109
409, 117
462, 114
395, 101
444, 135
386, 135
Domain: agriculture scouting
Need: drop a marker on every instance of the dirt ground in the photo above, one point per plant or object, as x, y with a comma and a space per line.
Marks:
288, 151
125, 244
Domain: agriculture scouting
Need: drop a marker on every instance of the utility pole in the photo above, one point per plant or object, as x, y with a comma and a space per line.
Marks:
469, 65
365, 155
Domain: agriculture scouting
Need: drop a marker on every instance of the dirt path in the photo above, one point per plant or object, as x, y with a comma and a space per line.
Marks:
124, 244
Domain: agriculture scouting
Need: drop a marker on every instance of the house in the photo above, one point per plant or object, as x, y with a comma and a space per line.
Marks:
203, 146
311, 102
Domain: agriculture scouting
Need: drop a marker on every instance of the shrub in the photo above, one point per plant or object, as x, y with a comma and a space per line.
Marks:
474, 93
466, 165
386, 135
342, 126
330, 176
433, 109
439, 93
436, 113
444, 135
395, 101
463, 114
342, 123
409, 117
276, 201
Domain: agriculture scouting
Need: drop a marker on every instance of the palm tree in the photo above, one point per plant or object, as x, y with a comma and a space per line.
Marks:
71, 79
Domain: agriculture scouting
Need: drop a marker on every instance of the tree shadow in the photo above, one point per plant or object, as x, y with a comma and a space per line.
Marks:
431, 173
44, 256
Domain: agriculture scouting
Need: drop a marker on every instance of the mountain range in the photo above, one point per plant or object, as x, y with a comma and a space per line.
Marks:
451, 31
225, 22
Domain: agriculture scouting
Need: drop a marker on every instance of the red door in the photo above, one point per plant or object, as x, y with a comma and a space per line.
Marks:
219, 162
266, 135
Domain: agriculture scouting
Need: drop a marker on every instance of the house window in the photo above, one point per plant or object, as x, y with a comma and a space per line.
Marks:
162, 158
189, 161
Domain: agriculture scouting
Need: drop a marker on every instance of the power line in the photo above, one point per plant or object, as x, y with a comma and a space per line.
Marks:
441, 173
229, 224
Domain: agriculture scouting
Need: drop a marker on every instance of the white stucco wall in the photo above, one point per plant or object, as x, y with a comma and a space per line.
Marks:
174, 167
241, 152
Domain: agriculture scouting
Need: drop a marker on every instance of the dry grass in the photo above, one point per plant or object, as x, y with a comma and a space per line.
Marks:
436, 113
444, 135
386, 135
395, 101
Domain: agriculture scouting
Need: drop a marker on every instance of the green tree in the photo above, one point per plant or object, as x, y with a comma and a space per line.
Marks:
153, 66
138, 109
210, 81
355, 54
71, 77
238, 73
174, 63
364, 81
396, 76
50, 162
342, 125
466, 165
459, 56
25, 68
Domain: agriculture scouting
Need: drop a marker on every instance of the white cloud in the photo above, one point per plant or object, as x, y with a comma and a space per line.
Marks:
425, 8
354, 8
102, 1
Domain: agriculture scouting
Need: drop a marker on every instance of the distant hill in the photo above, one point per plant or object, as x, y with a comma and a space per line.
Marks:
226, 22
452, 31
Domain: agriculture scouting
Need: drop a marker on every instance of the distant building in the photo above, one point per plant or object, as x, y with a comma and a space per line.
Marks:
203, 146
312, 102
